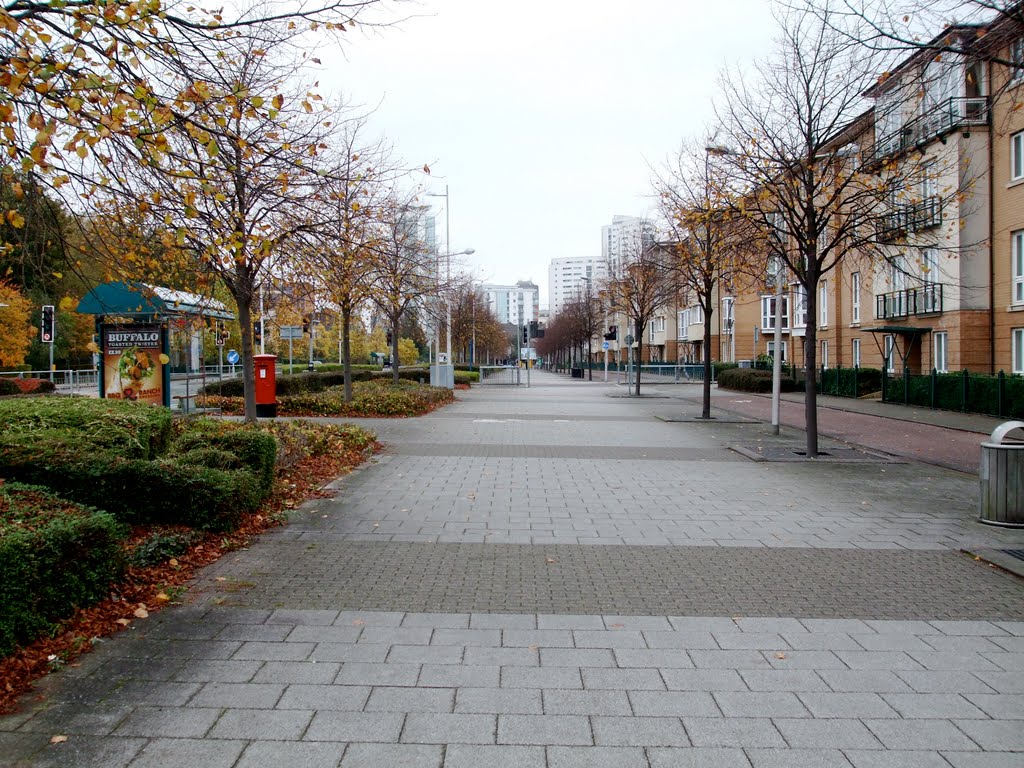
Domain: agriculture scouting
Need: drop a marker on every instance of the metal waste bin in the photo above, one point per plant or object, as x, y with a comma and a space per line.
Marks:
1002, 477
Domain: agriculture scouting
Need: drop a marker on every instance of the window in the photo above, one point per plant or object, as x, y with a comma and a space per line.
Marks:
855, 278
728, 313
1017, 156
890, 353
684, 325
771, 349
1017, 57
823, 305
799, 307
768, 313
1018, 350
1017, 248
855, 352
824, 354
928, 186
940, 362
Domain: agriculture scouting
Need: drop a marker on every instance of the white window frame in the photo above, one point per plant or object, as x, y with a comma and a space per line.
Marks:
1017, 58
940, 351
1017, 343
770, 348
1017, 265
824, 354
1017, 156
799, 307
684, 325
855, 352
855, 303
768, 316
823, 304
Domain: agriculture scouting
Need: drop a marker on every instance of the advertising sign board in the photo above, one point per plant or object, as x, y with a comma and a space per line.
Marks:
133, 364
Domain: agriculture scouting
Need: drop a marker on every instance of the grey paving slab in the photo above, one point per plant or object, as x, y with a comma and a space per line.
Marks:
647, 598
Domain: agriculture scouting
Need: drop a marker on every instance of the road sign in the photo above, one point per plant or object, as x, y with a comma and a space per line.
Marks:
291, 331
232, 357
605, 345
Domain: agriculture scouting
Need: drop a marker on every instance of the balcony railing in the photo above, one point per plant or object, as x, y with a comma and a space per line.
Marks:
948, 116
912, 217
923, 300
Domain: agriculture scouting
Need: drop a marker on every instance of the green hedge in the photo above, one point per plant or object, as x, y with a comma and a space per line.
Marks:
315, 381
55, 556
9, 387
753, 380
850, 382
135, 430
254, 449
982, 393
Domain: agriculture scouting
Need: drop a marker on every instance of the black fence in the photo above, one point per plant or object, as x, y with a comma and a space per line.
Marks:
998, 395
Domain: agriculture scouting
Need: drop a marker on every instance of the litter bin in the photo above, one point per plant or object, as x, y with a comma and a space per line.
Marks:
266, 386
577, 373
1002, 477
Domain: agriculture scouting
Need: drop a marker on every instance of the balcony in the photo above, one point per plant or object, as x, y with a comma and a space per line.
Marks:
950, 115
923, 300
912, 217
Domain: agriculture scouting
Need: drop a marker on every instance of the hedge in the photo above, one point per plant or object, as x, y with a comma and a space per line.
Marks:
133, 490
753, 380
9, 387
254, 449
55, 556
947, 391
135, 430
850, 382
315, 381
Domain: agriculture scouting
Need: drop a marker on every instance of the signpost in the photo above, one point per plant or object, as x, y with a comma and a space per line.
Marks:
290, 332
605, 346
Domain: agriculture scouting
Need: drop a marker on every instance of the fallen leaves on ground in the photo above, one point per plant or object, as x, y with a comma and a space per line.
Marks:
144, 590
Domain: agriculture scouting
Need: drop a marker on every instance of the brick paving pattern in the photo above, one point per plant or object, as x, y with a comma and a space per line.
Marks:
554, 577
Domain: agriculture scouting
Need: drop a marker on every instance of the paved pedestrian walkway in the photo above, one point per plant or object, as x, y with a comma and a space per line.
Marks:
555, 577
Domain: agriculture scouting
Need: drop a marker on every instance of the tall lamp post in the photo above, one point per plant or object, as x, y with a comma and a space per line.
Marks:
444, 375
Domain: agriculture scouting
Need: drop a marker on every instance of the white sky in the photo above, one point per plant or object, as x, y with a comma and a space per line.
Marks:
542, 115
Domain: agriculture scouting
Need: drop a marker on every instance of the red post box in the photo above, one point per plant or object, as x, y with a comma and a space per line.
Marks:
266, 385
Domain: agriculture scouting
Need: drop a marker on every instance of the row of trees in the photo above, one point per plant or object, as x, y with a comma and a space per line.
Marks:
785, 183
190, 148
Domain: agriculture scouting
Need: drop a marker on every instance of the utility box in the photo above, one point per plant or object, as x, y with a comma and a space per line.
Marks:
266, 385
1002, 477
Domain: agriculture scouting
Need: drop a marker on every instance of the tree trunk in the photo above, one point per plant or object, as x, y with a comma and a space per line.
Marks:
346, 348
394, 349
810, 363
590, 357
243, 299
705, 411
638, 339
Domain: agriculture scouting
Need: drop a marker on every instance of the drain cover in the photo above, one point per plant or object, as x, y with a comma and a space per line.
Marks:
1017, 553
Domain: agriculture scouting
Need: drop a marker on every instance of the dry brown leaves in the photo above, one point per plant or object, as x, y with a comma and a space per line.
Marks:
143, 590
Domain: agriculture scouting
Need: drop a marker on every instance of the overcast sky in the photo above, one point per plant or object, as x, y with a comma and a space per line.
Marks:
542, 115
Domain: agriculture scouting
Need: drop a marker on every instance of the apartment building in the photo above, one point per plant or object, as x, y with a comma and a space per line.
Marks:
943, 287
516, 304
567, 279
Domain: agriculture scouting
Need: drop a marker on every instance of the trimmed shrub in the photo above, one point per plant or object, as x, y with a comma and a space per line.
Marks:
9, 386
753, 380
135, 430
850, 382
254, 448
718, 367
35, 386
464, 377
55, 556
162, 546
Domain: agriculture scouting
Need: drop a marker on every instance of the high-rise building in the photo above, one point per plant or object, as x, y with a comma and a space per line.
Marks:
623, 239
516, 304
567, 279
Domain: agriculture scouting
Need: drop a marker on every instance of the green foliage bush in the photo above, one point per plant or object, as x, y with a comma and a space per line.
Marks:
718, 367
298, 439
162, 546
130, 429
464, 377
753, 380
55, 556
982, 393
254, 448
9, 387
316, 381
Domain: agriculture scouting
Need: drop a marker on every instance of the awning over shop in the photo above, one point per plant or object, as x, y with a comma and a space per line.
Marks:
141, 301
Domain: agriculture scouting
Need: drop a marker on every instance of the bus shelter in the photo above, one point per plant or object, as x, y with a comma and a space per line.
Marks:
134, 323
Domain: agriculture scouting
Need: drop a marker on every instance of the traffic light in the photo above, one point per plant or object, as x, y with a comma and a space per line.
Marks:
257, 332
613, 333
526, 334
533, 329
305, 323
46, 324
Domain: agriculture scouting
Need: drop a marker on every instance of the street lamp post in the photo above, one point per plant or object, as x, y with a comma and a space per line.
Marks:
444, 375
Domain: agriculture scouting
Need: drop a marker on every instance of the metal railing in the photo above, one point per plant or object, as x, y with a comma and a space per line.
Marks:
912, 217
499, 374
69, 380
923, 300
957, 112
667, 373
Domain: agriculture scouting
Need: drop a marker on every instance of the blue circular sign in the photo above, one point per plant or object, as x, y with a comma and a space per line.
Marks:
232, 356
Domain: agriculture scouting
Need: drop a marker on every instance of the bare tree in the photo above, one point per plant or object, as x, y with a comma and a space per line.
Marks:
818, 179
403, 268
643, 283
697, 201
